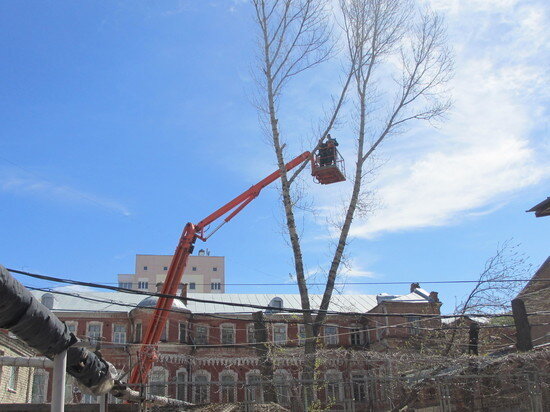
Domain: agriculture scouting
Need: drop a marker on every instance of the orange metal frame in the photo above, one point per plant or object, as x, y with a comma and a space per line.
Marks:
148, 351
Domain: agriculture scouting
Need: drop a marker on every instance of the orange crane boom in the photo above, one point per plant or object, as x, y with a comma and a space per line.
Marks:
191, 232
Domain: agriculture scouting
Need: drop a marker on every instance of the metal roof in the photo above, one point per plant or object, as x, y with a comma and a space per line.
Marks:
340, 303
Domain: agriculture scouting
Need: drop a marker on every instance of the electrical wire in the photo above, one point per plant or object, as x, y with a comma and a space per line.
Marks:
233, 304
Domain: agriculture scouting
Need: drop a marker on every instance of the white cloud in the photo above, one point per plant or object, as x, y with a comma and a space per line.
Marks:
486, 151
34, 186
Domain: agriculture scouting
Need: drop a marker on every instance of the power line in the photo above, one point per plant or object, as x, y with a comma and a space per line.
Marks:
234, 304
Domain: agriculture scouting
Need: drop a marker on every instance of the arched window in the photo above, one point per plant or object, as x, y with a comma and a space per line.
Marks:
281, 384
201, 387
181, 378
158, 381
275, 305
228, 389
254, 390
47, 300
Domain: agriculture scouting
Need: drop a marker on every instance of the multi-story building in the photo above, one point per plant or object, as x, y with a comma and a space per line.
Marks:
208, 351
203, 273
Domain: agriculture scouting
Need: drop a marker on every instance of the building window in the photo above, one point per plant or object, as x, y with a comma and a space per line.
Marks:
143, 285
281, 384
182, 338
72, 327
201, 390
165, 268
414, 324
12, 381
94, 332
137, 333
47, 300
301, 334
192, 286
144, 267
194, 268
119, 334
181, 377
201, 335
125, 285
359, 386
279, 334
331, 335
356, 336
254, 391
164, 335
274, 305
39, 386
228, 387
158, 380
216, 286
334, 386
250, 333
227, 334
214, 269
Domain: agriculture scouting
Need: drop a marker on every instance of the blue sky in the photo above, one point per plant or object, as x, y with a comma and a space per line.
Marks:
120, 121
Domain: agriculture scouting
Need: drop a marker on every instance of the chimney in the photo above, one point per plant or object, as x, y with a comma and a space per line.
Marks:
184, 294
414, 286
159, 287
434, 297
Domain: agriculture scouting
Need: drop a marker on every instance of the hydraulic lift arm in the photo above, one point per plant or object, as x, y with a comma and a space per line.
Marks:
147, 353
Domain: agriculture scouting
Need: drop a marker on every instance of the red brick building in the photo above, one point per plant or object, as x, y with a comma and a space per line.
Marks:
207, 352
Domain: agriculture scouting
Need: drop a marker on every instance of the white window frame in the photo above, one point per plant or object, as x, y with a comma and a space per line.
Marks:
331, 339
113, 333
235, 376
250, 336
72, 323
301, 339
286, 384
179, 332
46, 375
207, 333
166, 332
164, 381
413, 325
13, 379
183, 383
361, 331
285, 326
363, 382
339, 382
140, 331
94, 323
227, 326
256, 391
201, 372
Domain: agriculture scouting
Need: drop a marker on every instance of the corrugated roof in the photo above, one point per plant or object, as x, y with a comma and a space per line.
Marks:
340, 303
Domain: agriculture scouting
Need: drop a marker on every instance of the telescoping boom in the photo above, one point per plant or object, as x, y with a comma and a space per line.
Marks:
192, 232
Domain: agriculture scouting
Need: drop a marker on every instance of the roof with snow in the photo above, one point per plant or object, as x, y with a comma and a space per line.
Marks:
125, 302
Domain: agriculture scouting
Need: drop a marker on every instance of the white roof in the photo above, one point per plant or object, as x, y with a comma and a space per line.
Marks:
341, 303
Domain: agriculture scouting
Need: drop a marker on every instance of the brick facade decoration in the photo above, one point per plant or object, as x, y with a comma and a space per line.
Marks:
207, 352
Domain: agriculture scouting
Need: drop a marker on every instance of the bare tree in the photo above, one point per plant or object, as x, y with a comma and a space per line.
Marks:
387, 42
497, 284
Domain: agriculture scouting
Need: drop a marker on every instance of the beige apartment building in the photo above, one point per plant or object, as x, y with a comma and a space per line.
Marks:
203, 274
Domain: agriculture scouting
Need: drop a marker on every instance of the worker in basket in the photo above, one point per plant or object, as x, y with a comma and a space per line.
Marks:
327, 152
